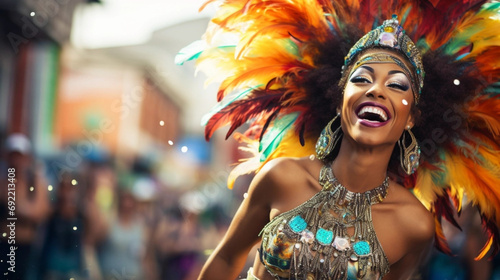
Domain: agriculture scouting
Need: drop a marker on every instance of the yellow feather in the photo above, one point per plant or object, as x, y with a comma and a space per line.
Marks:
290, 147
248, 165
485, 249
484, 32
425, 188
478, 183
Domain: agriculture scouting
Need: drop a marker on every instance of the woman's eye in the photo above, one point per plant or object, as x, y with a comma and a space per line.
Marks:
399, 86
359, 79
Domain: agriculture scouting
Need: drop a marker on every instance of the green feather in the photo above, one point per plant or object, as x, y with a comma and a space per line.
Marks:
273, 136
291, 47
226, 102
405, 16
190, 52
193, 51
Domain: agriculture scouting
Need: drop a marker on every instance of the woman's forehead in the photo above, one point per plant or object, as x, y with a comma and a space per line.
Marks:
390, 68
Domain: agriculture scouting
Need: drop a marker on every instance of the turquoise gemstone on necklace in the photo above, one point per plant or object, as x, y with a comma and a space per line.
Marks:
297, 224
361, 248
324, 236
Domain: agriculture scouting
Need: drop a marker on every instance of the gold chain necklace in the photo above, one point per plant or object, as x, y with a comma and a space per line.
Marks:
330, 236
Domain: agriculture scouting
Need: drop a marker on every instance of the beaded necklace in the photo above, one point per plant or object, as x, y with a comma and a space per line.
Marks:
330, 236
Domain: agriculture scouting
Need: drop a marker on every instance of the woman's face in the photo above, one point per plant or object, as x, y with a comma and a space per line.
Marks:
377, 103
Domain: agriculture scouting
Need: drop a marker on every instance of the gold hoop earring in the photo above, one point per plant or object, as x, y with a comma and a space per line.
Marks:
328, 139
409, 156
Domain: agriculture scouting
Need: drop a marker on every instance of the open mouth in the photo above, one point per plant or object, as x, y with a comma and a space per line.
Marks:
372, 113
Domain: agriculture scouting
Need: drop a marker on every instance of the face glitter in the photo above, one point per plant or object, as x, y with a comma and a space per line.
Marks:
405, 102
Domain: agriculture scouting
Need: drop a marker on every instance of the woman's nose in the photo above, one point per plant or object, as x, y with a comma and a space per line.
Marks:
376, 91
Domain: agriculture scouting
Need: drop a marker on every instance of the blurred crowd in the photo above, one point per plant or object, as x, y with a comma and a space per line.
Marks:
106, 218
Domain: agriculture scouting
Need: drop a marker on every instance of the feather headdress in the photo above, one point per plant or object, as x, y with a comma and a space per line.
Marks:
279, 62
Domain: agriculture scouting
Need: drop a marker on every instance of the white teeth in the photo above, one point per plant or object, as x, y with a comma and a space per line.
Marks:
374, 110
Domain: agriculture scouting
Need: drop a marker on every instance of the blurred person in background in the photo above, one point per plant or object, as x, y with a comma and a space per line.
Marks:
177, 244
75, 221
31, 204
62, 248
100, 183
122, 251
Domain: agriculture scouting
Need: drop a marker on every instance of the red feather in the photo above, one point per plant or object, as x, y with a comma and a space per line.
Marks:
440, 239
241, 111
444, 208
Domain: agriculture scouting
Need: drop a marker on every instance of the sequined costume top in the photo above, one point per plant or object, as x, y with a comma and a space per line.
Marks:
330, 236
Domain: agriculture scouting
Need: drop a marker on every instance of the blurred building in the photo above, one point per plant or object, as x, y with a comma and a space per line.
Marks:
87, 79
114, 105
32, 35
71, 74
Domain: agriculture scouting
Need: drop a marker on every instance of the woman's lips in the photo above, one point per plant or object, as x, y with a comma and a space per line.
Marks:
375, 110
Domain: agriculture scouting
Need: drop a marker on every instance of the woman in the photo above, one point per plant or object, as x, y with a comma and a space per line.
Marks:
344, 213
403, 226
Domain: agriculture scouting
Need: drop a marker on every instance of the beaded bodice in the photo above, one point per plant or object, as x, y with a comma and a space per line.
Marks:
330, 236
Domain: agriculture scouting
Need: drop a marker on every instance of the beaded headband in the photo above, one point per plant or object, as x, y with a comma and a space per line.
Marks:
392, 36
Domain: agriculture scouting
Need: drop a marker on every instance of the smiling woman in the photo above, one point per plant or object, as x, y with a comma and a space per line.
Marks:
337, 126
346, 224
373, 98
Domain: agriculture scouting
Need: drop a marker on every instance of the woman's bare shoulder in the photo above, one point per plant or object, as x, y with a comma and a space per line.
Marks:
417, 220
285, 170
285, 183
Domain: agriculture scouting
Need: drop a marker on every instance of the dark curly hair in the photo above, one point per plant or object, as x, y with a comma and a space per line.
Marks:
323, 81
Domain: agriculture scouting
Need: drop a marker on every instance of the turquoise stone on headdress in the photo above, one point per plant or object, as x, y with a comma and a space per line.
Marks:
390, 35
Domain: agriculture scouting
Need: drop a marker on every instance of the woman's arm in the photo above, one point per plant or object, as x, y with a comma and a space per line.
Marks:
230, 256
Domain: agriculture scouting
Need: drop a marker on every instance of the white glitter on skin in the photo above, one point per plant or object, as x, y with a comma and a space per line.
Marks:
405, 102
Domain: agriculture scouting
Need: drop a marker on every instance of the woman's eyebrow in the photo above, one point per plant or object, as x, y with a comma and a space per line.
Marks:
392, 72
368, 68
